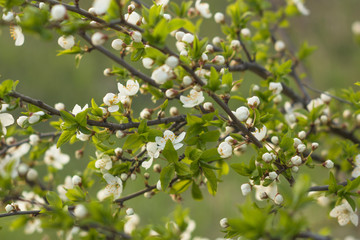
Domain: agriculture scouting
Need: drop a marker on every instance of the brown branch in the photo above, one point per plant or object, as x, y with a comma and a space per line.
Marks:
33, 212
326, 187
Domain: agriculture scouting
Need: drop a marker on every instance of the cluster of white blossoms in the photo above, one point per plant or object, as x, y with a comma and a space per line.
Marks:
154, 148
263, 192
31, 119
112, 100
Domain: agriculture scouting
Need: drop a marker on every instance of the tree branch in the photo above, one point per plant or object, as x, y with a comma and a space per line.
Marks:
33, 212
313, 236
326, 187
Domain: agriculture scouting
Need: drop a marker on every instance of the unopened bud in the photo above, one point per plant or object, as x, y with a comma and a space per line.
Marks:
171, 93
118, 152
157, 168
108, 72
31, 175
146, 176
76, 180
208, 106
79, 153
328, 164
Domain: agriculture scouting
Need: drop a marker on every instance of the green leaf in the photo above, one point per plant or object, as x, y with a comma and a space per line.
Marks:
182, 169
353, 184
169, 152
166, 175
286, 142
76, 194
210, 155
351, 202
54, 200
142, 126
133, 142
65, 137
214, 81
242, 169
81, 117
175, 24
67, 117
180, 187
211, 177
196, 192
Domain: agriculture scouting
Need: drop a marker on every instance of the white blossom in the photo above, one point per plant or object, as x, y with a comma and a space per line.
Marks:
80, 211
242, 113
188, 38
193, 99
245, 189
76, 180
345, 214
9, 208
17, 35
147, 63
58, 12
273, 175
172, 61
275, 140
260, 134
245, 32
225, 150
219, 17
32, 175
153, 152
6, 119
54, 157
60, 106
136, 36
169, 135
161, 74
262, 192
235, 44
111, 100
114, 187
224, 223
203, 9
117, 44
77, 109
101, 6
279, 46
325, 98
174, 111
164, 3
8, 17
62, 189
301, 148
134, 18
296, 160
34, 139
267, 157
314, 103
209, 48
131, 223
179, 35
103, 162
278, 199
146, 113
32, 226
66, 42
188, 80
275, 87
302, 135
253, 102
35, 117
98, 38
328, 164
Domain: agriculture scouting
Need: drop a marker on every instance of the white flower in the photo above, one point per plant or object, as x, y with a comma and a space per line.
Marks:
114, 186
147, 63
34, 139
136, 36
204, 57
328, 164
82, 136
219, 59
161, 74
172, 61
262, 192
104, 163
275, 140
245, 189
101, 6
267, 157
76, 180
134, 18
111, 100
188, 38
235, 44
17, 35
301, 7
98, 38
253, 102
80, 211
60, 106
187, 81
245, 32
8, 17
33, 225
203, 9
224, 223
301, 148
260, 134
242, 113
77, 109
62, 189
131, 224
6, 119
209, 48
55, 158
314, 103
58, 12
273, 175
302, 135
117, 44
279, 46
325, 97
355, 28
153, 152
164, 3
225, 150
278, 199
66, 42
344, 213
275, 87
35, 117
179, 35
169, 135
296, 160
219, 17
193, 99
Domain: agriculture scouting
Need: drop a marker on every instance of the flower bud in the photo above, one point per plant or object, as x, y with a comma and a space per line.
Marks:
235, 44
174, 111
219, 18
167, 16
58, 12
76, 180
297, 142
133, 176
34, 139
22, 169
157, 168
108, 72
275, 140
324, 119
21, 121
8, 17
245, 189
146, 175
216, 41
328, 164
279, 46
129, 211
183, 53
31, 175
295, 169
98, 38
277, 99
9, 208
219, 59
347, 114
253, 102
188, 38
355, 28
148, 195
208, 106
172, 61
123, 177
224, 223
117, 44
120, 134
245, 32
210, 48
278, 199
146, 113
131, 8
296, 160
136, 36
314, 146
66, 42
147, 63
80, 211
204, 57
158, 185
273, 175
60, 106
171, 93
301, 148
118, 151
179, 35
79, 153
267, 157
187, 81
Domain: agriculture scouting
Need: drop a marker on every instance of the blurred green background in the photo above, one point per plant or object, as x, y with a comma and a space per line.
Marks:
53, 79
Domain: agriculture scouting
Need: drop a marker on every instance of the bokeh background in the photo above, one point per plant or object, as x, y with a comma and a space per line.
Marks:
335, 64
